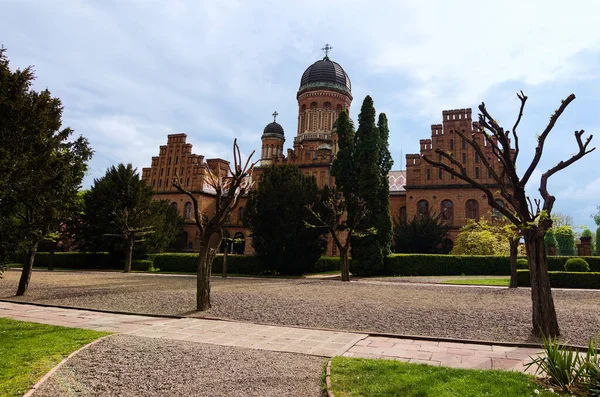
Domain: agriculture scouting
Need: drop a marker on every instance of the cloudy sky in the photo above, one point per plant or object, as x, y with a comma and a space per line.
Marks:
131, 72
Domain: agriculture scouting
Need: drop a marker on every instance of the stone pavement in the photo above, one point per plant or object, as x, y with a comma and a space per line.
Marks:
280, 338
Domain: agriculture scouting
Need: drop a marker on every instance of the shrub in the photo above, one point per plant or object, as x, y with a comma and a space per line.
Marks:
522, 263
445, 265
188, 263
78, 260
145, 265
549, 239
564, 279
576, 265
327, 264
566, 240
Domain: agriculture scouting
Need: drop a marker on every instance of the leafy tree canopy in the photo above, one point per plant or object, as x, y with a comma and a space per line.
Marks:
277, 214
481, 238
421, 235
565, 238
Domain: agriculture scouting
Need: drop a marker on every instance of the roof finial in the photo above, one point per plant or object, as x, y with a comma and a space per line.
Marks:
275, 114
327, 48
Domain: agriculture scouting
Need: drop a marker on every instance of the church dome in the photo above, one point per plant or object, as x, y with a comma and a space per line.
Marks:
273, 129
325, 74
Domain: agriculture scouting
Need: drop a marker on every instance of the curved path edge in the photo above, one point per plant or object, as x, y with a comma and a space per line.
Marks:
40, 382
316, 342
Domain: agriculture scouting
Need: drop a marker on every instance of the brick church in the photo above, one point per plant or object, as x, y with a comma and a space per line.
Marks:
325, 90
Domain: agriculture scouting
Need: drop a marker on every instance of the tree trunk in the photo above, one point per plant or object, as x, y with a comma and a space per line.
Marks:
130, 240
225, 258
514, 248
205, 258
544, 315
27, 267
51, 256
345, 269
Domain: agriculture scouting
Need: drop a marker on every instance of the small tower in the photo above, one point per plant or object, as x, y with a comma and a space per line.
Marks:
272, 142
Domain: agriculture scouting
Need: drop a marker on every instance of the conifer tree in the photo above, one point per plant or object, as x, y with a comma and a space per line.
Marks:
372, 162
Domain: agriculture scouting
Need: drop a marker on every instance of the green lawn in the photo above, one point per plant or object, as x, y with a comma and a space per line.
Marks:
501, 282
29, 350
353, 377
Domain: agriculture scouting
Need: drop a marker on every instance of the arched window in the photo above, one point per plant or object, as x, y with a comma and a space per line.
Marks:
464, 158
497, 215
428, 174
440, 173
451, 144
422, 208
476, 158
241, 214
188, 210
403, 218
239, 243
472, 209
447, 210
476, 172
464, 143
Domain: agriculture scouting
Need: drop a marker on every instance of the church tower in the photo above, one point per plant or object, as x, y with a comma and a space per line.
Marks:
272, 142
325, 91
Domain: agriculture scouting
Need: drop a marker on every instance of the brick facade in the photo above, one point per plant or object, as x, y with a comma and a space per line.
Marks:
314, 148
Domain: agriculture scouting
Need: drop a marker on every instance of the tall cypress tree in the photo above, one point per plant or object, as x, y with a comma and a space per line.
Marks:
372, 161
384, 220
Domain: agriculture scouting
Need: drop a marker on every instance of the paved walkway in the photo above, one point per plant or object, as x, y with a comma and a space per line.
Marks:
279, 338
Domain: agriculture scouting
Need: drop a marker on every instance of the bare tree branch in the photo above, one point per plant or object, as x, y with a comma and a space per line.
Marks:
542, 138
549, 199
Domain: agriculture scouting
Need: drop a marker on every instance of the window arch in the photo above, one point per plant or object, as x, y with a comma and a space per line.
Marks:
464, 143
422, 208
447, 210
239, 243
472, 209
403, 217
428, 174
188, 210
476, 172
464, 158
241, 214
313, 105
451, 144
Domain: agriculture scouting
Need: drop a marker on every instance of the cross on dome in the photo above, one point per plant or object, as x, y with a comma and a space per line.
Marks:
275, 114
327, 48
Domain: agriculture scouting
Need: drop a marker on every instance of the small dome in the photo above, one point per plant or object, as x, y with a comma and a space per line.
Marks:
273, 128
327, 74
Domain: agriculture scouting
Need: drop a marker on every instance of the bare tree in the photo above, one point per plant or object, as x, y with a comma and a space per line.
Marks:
334, 216
228, 192
533, 219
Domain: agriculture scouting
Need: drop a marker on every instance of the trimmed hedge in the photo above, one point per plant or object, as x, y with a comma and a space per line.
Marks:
78, 260
522, 263
445, 265
188, 262
557, 263
576, 265
144, 265
327, 264
564, 279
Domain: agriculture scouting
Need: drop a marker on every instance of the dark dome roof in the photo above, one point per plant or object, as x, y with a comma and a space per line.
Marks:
273, 128
325, 73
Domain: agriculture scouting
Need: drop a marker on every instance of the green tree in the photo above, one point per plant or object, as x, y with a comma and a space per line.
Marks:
481, 238
120, 205
565, 238
421, 235
532, 220
278, 214
41, 165
372, 162
550, 239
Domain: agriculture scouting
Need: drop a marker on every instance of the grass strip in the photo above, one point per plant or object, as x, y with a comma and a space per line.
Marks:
499, 282
29, 350
353, 377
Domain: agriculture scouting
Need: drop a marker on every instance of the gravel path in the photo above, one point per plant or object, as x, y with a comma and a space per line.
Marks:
126, 365
498, 314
